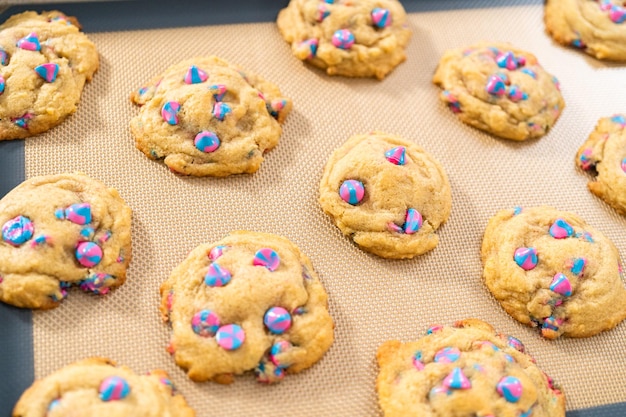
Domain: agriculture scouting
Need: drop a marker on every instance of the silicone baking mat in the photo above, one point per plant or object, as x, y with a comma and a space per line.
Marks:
371, 299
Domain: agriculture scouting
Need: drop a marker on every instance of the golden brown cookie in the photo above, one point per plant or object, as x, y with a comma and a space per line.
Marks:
549, 269
95, 387
355, 38
251, 301
386, 193
206, 117
45, 61
465, 370
500, 89
597, 27
60, 231
604, 153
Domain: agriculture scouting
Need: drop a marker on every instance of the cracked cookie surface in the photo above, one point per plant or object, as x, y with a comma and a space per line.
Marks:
596, 26
206, 117
45, 61
388, 194
251, 301
604, 153
465, 370
354, 38
500, 89
60, 231
551, 270
97, 387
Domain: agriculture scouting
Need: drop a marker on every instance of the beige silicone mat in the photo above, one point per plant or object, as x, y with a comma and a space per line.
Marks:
371, 299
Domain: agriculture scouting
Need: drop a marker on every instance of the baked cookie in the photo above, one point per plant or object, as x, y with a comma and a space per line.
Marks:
60, 231
465, 370
595, 26
45, 61
206, 117
251, 301
604, 153
96, 387
355, 38
549, 269
386, 193
500, 89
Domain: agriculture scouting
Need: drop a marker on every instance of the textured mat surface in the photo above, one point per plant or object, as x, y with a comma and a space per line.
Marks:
372, 299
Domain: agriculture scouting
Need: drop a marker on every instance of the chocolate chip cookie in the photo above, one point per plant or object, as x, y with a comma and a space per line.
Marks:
596, 27
354, 38
500, 89
206, 117
604, 154
465, 370
96, 387
386, 193
61, 231
251, 301
45, 61
551, 270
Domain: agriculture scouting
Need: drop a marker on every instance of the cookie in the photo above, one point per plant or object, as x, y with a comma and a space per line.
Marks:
597, 27
96, 387
251, 301
551, 270
206, 117
500, 89
354, 38
45, 61
604, 154
465, 370
386, 193
60, 231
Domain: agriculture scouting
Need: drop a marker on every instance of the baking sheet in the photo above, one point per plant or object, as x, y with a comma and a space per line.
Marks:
371, 299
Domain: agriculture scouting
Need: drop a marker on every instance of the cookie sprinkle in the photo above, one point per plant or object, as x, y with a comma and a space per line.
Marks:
561, 285
217, 276
526, 258
230, 337
29, 42
309, 48
457, 380
561, 229
95, 283
343, 39
218, 91
496, 86
17, 231
268, 258
277, 320
322, 12
396, 155
79, 213
217, 251
169, 112
221, 110
381, 18
48, 71
352, 192
205, 323
510, 388
88, 254
114, 388
206, 141
447, 355
277, 350
413, 221
195, 75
